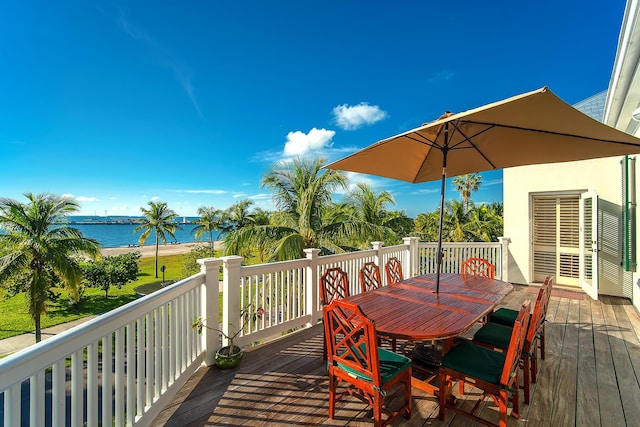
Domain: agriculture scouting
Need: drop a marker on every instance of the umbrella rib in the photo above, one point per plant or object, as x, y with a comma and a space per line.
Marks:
425, 141
549, 132
469, 140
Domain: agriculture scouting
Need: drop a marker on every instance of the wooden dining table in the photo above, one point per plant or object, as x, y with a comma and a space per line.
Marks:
412, 310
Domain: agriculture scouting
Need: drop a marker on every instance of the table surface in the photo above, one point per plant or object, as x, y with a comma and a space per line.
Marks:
412, 310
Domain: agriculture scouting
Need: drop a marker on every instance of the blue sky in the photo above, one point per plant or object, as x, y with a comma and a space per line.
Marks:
118, 103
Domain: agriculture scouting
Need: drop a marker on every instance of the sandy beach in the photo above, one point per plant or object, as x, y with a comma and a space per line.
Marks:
150, 250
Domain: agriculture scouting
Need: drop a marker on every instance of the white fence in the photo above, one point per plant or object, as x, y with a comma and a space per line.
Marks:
123, 367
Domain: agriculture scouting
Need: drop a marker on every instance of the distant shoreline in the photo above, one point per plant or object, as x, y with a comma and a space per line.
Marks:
150, 250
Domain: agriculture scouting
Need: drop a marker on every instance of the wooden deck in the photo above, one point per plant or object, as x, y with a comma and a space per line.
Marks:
591, 377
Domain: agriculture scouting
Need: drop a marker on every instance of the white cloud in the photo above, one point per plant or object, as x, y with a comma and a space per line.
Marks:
86, 199
299, 142
357, 116
67, 196
154, 198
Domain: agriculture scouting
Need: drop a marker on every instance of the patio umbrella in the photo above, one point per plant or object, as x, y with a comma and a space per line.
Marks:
532, 128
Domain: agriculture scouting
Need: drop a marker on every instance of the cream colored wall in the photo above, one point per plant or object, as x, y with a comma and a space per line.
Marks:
602, 175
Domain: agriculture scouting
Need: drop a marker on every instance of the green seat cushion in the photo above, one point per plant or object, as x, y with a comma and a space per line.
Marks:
391, 364
494, 334
504, 316
475, 361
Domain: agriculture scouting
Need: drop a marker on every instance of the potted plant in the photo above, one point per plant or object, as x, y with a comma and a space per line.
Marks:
229, 355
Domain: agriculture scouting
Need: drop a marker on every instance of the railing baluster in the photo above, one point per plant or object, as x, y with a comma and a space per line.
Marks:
107, 378
92, 384
36, 397
77, 380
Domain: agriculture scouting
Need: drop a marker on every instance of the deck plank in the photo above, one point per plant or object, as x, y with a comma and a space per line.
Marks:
608, 392
285, 382
541, 406
587, 385
627, 382
564, 403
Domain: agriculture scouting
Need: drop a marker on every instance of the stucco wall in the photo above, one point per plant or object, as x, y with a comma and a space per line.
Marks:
601, 175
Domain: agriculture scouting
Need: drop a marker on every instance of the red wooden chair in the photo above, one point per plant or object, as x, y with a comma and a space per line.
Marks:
393, 268
355, 358
477, 267
370, 280
496, 335
495, 373
369, 277
334, 284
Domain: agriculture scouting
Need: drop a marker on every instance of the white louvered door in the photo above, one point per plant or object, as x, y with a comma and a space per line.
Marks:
589, 243
556, 238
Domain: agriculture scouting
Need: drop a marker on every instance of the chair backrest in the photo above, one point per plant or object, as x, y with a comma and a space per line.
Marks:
369, 277
393, 268
351, 340
539, 314
478, 267
516, 343
548, 284
334, 284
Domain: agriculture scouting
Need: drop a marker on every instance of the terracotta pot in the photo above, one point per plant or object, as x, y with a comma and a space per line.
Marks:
224, 360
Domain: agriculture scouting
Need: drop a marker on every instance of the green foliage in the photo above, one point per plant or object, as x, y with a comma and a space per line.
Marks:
190, 266
482, 223
210, 219
40, 251
159, 219
15, 318
111, 271
466, 185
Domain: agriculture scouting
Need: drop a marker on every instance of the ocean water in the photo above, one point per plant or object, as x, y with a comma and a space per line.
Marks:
117, 232
114, 235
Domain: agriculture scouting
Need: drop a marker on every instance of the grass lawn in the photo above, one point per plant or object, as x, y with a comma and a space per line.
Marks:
15, 319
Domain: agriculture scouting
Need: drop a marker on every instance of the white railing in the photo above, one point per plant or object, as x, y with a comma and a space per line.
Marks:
123, 367
120, 368
455, 253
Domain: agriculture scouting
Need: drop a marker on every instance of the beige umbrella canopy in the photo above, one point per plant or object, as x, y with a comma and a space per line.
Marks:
532, 128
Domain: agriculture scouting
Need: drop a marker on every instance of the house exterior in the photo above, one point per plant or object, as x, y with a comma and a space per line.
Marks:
577, 220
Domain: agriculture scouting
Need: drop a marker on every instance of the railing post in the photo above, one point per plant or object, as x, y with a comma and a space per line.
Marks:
231, 295
312, 288
377, 257
412, 259
504, 258
210, 306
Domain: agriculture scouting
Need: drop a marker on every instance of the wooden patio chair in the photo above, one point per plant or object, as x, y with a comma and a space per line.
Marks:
478, 267
496, 335
355, 358
493, 372
334, 284
370, 280
393, 268
369, 277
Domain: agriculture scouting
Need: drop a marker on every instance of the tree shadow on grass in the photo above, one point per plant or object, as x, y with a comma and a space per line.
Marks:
90, 305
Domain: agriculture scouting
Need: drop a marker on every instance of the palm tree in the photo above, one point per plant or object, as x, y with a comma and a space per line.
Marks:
158, 218
302, 193
374, 221
209, 220
236, 216
41, 250
467, 184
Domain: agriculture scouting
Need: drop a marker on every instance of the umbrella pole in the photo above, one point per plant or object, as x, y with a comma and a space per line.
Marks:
439, 254
439, 250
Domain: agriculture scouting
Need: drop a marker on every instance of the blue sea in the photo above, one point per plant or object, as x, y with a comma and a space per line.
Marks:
118, 231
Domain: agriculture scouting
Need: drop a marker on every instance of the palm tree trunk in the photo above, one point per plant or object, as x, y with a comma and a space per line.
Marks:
36, 319
157, 245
